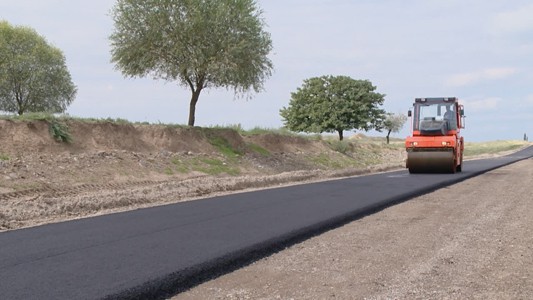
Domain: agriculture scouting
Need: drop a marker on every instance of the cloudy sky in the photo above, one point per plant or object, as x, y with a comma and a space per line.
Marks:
480, 51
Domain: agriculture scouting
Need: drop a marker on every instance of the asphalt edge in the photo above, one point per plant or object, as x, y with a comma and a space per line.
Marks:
175, 283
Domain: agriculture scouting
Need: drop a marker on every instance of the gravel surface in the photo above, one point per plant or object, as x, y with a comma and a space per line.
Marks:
472, 240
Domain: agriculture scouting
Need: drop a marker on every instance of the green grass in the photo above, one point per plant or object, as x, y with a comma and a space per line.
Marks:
180, 166
41, 116
224, 146
210, 166
258, 149
4, 157
255, 131
59, 131
265, 130
335, 162
340, 146
493, 147
27, 186
213, 166
168, 171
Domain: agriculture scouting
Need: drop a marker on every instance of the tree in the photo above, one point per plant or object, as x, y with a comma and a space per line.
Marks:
33, 74
334, 104
198, 43
393, 123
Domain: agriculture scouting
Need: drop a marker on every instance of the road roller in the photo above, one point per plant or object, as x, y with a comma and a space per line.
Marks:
436, 144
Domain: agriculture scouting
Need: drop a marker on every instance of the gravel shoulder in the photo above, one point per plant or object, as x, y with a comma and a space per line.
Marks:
472, 240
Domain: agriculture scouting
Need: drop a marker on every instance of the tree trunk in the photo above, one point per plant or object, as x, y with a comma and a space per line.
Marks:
388, 136
341, 137
192, 106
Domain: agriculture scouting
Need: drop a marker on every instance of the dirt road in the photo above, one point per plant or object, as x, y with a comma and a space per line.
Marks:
473, 240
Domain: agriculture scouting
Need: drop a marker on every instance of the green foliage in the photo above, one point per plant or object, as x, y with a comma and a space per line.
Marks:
393, 123
180, 166
256, 130
334, 104
59, 131
32, 116
168, 171
210, 166
224, 146
235, 127
258, 149
263, 130
33, 74
198, 43
340, 146
117, 121
4, 157
333, 162
57, 126
216, 166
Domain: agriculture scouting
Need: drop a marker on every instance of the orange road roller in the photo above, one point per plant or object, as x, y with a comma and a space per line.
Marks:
436, 144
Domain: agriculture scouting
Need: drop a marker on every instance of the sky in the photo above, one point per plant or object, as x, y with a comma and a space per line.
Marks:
477, 50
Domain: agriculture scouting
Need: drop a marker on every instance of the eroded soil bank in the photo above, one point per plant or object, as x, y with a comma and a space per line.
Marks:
109, 167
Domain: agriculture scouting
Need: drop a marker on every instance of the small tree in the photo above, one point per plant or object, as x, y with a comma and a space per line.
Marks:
393, 123
198, 43
334, 104
33, 74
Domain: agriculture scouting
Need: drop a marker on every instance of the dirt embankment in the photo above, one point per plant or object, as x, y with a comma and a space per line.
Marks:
110, 167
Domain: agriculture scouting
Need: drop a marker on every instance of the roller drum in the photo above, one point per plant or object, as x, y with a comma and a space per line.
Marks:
431, 161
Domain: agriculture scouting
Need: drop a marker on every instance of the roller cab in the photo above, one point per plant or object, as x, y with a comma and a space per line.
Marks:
435, 145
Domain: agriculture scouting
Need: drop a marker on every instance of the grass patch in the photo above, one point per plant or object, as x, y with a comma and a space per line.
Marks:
235, 127
213, 166
265, 130
334, 162
27, 186
224, 147
493, 147
210, 166
56, 125
340, 146
256, 130
34, 116
258, 149
168, 171
4, 157
59, 131
179, 165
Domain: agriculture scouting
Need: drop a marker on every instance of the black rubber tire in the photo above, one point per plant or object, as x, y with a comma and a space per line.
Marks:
460, 166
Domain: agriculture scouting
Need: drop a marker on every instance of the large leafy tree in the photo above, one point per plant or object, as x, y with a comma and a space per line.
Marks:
393, 123
198, 43
33, 74
334, 104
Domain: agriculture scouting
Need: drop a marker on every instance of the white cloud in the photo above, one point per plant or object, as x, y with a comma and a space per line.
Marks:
464, 79
484, 104
515, 21
529, 100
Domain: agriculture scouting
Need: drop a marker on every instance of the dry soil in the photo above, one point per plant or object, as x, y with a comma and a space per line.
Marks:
117, 167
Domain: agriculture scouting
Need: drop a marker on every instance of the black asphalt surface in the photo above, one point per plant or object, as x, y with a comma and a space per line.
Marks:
145, 253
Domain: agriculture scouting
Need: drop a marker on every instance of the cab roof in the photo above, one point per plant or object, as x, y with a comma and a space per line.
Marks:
436, 100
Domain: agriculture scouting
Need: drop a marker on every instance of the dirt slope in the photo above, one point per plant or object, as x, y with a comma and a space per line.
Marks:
111, 167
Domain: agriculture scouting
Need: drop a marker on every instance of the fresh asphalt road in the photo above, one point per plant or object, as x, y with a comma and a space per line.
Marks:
147, 252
